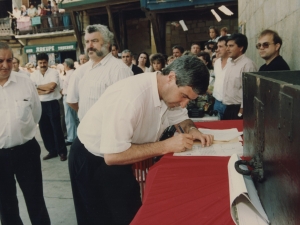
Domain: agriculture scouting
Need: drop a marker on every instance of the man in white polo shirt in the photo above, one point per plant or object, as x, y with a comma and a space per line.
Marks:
20, 111
90, 80
47, 84
123, 127
220, 70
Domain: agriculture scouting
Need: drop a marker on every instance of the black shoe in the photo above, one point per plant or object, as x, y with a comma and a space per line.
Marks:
63, 157
49, 156
68, 143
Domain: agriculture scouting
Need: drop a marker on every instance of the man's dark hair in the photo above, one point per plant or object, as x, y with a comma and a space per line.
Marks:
194, 43
70, 63
115, 45
276, 38
190, 71
160, 58
180, 48
240, 39
147, 56
223, 38
42, 56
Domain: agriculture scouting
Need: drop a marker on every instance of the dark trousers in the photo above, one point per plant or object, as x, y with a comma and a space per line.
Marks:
231, 112
108, 195
50, 128
23, 163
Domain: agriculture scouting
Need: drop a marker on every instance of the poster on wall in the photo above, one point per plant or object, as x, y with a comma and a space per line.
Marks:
32, 59
51, 59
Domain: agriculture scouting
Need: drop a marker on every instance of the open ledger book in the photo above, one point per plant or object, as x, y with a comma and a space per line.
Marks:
245, 206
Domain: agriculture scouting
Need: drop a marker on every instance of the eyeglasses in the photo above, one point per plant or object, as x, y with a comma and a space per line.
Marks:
264, 45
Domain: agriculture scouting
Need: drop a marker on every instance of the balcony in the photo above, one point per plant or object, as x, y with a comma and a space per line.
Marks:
36, 27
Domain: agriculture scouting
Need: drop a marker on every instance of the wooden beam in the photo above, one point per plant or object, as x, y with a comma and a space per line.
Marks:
156, 31
123, 33
77, 32
111, 25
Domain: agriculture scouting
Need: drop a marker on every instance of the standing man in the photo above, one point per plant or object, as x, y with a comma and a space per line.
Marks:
127, 59
177, 51
123, 127
269, 44
16, 67
20, 111
195, 48
47, 84
90, 80
115, 50
71, 117
220, 68
233, 85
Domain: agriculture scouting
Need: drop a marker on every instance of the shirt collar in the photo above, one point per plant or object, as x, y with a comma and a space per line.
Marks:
103, 61
11, 78
234, 61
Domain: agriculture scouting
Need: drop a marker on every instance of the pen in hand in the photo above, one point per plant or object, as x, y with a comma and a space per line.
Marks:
180, 128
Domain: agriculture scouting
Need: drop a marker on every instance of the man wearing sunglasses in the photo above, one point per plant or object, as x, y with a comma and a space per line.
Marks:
269, 44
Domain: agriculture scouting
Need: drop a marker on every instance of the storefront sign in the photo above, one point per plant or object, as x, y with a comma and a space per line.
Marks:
51, 48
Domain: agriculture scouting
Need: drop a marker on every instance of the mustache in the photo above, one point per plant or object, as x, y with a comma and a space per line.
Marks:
91, 49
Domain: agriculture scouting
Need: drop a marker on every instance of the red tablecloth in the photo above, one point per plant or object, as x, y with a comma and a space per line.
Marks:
188, 190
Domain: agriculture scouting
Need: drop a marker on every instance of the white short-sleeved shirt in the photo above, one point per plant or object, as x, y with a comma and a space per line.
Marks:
24, 72
126, 114
20, 110
66, 81
51, 75
88, 83
219, 79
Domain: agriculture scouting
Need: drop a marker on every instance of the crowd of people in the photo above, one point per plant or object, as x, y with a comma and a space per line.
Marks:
49, 17
113, 118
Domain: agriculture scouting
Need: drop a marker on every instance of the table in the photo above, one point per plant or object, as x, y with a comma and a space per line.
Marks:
188, 190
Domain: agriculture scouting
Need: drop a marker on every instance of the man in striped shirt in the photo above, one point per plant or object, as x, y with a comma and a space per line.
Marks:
90, 80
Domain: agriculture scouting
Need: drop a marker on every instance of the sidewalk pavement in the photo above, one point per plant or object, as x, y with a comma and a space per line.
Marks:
57, 190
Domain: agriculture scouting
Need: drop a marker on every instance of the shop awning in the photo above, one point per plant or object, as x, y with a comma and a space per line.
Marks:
69, 46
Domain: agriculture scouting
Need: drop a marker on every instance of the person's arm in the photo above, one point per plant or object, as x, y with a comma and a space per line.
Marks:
47, 87
44, 92
189, 127
139, 152
74, 106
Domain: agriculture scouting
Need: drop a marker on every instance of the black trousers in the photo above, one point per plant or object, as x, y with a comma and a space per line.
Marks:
231, 112
108, 195
50, 128
23, 163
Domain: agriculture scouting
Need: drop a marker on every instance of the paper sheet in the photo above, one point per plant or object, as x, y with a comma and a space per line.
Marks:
226, 149
222, 135
245, 206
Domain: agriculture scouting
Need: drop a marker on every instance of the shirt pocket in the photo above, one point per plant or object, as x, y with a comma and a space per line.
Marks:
237, 83
23, 110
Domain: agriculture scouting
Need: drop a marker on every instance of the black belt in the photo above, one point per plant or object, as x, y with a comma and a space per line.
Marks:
18, 146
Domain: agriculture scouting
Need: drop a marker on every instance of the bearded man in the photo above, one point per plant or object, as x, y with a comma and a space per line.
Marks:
90, 80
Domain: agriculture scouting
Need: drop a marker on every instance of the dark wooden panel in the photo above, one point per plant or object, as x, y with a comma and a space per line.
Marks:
272, 127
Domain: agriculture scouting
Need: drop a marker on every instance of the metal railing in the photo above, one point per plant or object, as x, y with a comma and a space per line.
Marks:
51, 23
35, 25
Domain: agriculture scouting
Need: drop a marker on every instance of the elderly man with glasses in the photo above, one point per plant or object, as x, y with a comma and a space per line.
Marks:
269, 44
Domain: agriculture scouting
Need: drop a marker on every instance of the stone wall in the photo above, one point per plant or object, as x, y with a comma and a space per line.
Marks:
138, 36
282, 16
198, 31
